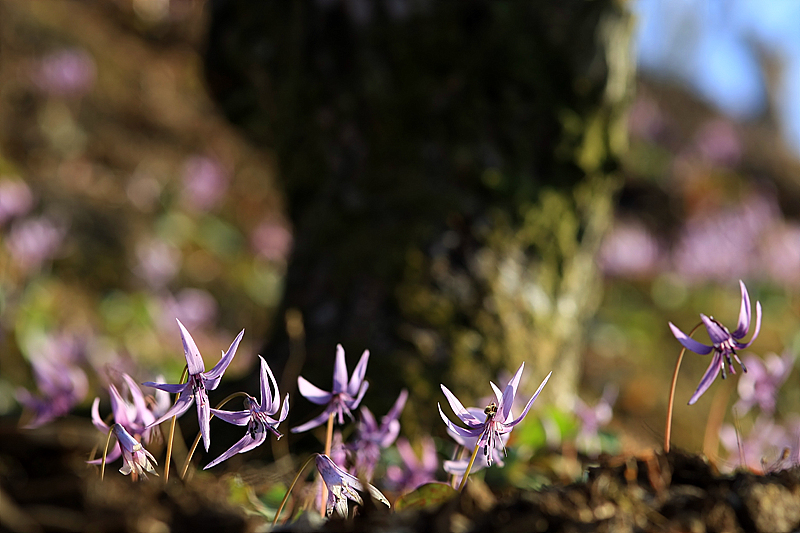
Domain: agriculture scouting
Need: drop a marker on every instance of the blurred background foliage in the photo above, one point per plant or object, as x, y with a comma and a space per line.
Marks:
127, 199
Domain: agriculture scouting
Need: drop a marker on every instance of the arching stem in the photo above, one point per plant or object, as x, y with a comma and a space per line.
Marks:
105, 452
184, 374
671, 402
200, 434
469, 467
289, 491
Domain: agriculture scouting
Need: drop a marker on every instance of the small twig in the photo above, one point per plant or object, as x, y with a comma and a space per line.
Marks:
671, 402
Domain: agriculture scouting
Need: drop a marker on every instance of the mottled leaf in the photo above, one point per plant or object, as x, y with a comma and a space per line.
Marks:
428, 495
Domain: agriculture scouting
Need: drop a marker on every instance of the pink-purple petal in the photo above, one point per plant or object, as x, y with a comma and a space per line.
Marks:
744, 314
181, 406
358, 374
314, 422
97, 421
244, 444
213, 376
194, 361
755, 331
458, 408
237, 418
708, 378
339, 371
688, 342
458, 430
528, 406
204, 417
312, 393
716, 333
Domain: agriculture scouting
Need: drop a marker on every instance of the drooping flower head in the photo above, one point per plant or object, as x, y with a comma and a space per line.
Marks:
371, 437
723, 343
134, 416
592, 418
257, 416
345, 395
342, 487
498, 419
199, 382
135, 458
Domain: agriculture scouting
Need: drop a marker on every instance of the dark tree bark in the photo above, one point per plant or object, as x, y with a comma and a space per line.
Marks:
449, 168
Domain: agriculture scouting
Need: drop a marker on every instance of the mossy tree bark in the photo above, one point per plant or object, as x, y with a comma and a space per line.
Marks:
450, 170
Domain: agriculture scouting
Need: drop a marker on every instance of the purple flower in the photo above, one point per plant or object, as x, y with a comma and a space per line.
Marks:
345, 395
34, 240
724, 343
16, 199
342, 487
486, 456
371, 437
135, 458
593, 418
762, 447
498, 419
415, 470
135, 416
61, 383
256, 416
761, 383
68, 72
200, 381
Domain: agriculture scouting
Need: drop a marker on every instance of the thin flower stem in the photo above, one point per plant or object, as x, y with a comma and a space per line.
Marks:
105, 451
199, 434
328, 443
184, 374
671, 402
289, 491
469, 467
459, 451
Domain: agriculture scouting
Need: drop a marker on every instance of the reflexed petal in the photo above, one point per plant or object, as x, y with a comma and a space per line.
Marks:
112, 455
358, 374
717, 333
269, 403
314, 422
530, 403
397, 408
245, 444
744, 314
458, 430
213, 376
312, 393
181, 406
143, 413
368, 422
504, 406
238, 418
339, 371
740, 345
688, 342
96, 420
194, 361
498, 394
284, 409
708, 377
465, 416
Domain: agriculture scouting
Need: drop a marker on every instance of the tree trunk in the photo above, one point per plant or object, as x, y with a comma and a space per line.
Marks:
449, 169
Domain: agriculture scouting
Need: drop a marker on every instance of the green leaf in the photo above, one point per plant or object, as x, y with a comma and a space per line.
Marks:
424, 496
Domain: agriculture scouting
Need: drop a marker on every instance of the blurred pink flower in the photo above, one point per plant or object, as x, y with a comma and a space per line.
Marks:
16, 199
34, 240
629, 250
272, 240
205, 182
195, 308
157, 263
67, 72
